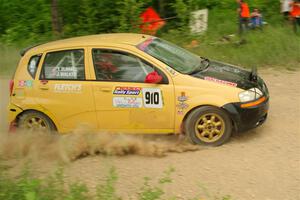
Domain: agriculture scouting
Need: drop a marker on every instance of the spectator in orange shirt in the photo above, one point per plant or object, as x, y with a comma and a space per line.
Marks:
244, 15
295, 14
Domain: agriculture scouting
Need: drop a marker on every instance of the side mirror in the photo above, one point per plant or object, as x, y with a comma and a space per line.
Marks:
153, 77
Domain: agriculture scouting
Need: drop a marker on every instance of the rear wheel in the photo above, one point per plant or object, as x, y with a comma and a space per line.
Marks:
35, 121
208, 125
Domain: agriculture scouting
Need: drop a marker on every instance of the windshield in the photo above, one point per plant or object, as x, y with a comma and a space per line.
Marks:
175, 57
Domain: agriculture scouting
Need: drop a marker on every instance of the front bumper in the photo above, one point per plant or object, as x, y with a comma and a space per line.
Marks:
247, 118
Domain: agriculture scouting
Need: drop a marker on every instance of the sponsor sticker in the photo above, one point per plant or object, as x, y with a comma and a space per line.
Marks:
21, 83
127, 102
25, 83
67, 88
182, 105
172, 71
127, 91
152, 98
208, 78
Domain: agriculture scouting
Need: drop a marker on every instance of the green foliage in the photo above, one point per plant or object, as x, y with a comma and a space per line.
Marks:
182, 13
26, 22
149, 192
27, 187
108, 191
129, 12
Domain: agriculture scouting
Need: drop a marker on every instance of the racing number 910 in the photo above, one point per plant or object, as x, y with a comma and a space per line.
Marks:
152, 98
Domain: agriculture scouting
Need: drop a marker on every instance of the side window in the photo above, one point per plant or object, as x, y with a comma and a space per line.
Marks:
33, 65
119, 66
64, 65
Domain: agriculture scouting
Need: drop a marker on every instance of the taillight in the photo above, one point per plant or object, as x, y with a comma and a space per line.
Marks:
11, 86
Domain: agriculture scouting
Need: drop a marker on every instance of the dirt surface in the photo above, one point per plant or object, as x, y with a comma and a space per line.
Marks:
262, 164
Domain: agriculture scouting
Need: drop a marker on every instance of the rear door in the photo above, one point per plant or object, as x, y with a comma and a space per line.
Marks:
124, 103
63, 91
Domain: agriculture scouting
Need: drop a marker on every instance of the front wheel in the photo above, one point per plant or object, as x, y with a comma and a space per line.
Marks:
209, 126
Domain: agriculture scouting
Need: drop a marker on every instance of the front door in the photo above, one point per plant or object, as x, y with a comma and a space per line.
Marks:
124, 102
62, 89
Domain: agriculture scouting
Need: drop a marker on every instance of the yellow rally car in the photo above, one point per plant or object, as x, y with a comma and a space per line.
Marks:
133, 83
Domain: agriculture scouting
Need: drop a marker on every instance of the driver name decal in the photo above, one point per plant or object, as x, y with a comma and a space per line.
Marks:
127, 91
208, 78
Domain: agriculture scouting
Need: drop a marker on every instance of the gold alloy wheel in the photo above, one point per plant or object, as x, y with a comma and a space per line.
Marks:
210, 127
35, 123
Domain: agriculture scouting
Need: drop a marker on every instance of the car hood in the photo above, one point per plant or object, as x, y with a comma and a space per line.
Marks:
228, 74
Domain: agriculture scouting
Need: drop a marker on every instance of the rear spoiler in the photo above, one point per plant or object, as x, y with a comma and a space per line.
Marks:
23, 51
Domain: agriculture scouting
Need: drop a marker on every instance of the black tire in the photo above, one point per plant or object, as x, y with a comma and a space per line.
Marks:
206, 112
45, 122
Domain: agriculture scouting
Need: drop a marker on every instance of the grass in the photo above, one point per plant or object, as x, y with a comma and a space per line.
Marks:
272, 47
28, 187
9, 58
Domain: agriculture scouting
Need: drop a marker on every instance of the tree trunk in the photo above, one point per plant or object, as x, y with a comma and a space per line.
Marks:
56, 27
161, 6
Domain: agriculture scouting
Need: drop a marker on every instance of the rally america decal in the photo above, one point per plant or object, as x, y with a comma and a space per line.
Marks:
127, 102
152, 98
208, 78
127, 90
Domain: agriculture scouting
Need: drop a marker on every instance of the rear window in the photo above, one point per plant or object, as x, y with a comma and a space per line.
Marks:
33, 65
64, 65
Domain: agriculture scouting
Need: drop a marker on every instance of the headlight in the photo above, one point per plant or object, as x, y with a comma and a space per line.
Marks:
250, 95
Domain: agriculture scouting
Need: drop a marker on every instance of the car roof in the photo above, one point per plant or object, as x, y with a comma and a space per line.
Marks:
91, 40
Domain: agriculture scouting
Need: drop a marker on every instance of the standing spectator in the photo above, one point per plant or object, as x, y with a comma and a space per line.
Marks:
295, 14
244, 15
256, 19
286, 8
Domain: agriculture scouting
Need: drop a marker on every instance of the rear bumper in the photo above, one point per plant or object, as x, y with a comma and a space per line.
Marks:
13, 112
247, 118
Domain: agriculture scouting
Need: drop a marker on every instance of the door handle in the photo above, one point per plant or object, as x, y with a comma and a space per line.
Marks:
104, 89
44, 87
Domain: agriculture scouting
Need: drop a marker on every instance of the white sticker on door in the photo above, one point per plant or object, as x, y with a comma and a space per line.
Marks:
127, 102
67, 88
152, 98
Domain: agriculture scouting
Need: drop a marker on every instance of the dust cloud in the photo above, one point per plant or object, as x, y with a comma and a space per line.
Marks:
80, 143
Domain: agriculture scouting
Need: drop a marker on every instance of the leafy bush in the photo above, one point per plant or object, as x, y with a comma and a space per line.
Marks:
28, 187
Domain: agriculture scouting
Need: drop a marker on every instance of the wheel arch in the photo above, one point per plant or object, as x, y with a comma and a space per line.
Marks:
199, 106
33, 110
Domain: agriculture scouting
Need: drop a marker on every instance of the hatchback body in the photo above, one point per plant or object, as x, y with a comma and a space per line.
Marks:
133, 83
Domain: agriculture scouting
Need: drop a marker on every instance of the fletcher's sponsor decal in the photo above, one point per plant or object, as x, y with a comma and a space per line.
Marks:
127, 90
67, 88
127, 102
208, 78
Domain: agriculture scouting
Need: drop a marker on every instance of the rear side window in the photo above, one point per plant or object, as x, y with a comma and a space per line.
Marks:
64, 65
33, 65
